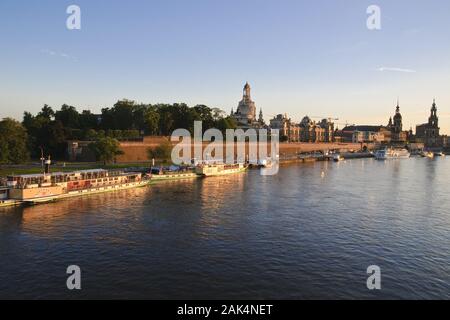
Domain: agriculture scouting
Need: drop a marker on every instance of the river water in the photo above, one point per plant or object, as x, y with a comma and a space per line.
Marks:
309, 232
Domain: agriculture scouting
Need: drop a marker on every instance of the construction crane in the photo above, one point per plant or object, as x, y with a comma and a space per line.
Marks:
343, 124
328, 118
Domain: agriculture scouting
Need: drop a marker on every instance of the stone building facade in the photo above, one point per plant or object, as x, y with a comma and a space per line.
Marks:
288, 130
365, 133
311, 131
305, 131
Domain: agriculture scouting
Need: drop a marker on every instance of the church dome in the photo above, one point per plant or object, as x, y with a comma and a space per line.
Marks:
397, 116
305, 121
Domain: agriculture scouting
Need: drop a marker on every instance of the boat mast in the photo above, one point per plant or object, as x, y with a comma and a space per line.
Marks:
42, 159
48, 162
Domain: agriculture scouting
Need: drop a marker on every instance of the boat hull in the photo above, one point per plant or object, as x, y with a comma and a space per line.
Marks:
130, 185
9, 203
392, 154
175, 176
85, 192
214, 172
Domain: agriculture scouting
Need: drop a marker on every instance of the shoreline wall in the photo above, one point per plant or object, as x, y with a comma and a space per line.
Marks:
137, 151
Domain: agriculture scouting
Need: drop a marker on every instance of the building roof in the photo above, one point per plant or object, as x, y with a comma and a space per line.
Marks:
39, 175
363, 128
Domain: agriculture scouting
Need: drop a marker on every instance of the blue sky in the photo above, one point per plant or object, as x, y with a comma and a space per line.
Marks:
301, 57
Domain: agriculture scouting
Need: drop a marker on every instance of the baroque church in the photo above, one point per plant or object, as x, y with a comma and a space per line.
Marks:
428, 133
245, 114
396, 126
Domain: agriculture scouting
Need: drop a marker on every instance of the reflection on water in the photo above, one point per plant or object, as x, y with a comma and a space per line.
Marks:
308, 232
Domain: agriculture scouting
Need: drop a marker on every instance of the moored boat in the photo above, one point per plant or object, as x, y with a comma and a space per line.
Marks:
46, 187
427, 154
4, 198
157, 174
337, 157
391, 153
174, 176
9, 203
208, 170
265, 163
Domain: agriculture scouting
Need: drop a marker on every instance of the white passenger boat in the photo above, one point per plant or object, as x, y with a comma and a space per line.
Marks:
46, 187
208, 170
166, 176
392, 153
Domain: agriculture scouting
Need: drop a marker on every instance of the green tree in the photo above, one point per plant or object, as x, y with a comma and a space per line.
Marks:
226, 123
166, 119
139, 115
4, 151
218, 114
205, 114
47, 112
47, 133
13, 142
87, 120
125, 120
183, 117
162, 152
68, 116
106, 149
90, 135
28, 119
151, 121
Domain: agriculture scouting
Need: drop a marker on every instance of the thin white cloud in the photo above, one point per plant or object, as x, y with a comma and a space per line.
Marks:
49, 52
395, 69
59, 54
412, 31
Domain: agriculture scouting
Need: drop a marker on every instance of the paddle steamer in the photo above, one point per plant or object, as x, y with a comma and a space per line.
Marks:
45, 187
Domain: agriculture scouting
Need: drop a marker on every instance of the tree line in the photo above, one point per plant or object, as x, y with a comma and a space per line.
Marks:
49, 130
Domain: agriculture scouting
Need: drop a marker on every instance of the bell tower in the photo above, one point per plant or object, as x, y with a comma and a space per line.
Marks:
433, 119
432, 135
398, 125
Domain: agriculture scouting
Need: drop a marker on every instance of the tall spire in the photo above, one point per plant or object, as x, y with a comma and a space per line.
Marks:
261, 117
